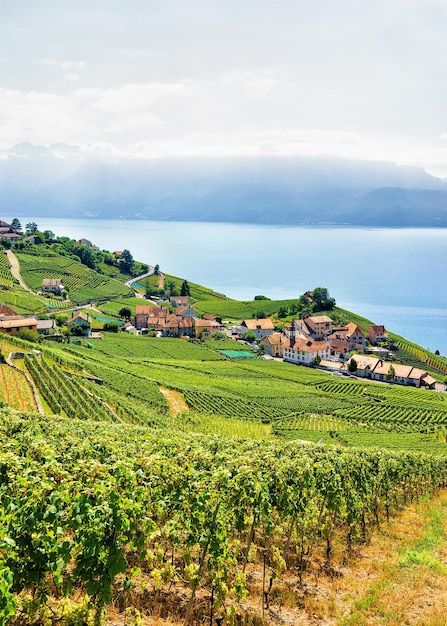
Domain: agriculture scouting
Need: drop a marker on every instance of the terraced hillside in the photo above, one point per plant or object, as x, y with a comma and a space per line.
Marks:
82, 283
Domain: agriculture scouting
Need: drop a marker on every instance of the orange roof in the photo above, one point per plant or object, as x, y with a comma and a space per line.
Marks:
260, 324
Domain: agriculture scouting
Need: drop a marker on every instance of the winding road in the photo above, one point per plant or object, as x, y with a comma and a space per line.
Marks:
15, 270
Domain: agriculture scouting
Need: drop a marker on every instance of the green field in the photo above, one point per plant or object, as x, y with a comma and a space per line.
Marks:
81, 282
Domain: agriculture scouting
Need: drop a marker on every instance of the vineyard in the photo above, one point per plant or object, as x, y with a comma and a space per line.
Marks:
102, 508
273, 471
6, 278
81, 282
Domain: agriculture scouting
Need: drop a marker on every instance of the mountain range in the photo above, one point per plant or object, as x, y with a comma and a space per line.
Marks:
61, 180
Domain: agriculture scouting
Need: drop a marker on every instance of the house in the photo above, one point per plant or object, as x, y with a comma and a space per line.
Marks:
80, 324
320, 326
12, 325
186, 311
186, 327
34, 239
204, 328
4, 227
340, 349
178, 301
147, 316
52, 285
11, 237
304, 351
377, 334
388, 371
260, 327
84, 242
46, 327
6, 311
273, 344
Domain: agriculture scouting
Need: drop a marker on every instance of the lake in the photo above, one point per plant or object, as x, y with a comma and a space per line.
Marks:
395, 277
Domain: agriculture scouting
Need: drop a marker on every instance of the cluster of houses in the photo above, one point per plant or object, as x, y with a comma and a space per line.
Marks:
314, 340
6, 233
11, 323
183, 322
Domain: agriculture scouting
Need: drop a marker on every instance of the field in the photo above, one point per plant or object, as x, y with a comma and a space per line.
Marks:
271, 478
81, 282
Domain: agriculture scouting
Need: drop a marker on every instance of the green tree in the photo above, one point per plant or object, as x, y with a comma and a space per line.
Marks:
261, 298
391, 372
249, 336
125, 312
317, 359
321, 299
127, 262
352, 365
282, 312
31, 228
49, 236
112, 327
27, 334
184, 291
16, 226
218, 334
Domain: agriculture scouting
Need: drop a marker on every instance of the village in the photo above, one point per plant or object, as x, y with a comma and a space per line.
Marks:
311, 340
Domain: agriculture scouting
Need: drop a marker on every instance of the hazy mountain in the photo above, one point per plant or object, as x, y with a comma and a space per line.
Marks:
58, 180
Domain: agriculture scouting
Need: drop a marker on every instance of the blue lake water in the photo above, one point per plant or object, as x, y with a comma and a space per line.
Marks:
395, 277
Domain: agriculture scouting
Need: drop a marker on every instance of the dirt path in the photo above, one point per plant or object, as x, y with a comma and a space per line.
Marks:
175, 400
135, 279
15, 270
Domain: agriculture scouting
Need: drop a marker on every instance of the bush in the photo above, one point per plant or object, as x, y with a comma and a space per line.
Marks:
112, 327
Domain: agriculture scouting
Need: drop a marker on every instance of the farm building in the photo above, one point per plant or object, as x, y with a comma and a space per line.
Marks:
52, 285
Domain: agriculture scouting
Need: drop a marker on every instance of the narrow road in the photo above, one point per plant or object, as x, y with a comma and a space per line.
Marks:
135, 279
15, 270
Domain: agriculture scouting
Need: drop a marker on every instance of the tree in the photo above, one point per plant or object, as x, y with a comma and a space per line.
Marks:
218, 334
125, 312
184, 291
31, 228
16, 226
49, 236
249, 336
127, 262
352, 365
171, 287
261, 298
321, 299
391, 373
317, 359
27, 334
157, 269
282, 312
112, 327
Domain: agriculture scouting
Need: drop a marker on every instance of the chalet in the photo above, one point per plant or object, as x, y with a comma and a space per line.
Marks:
305, 351
260, 327
377, 334
52, 285
80, 324
13, 324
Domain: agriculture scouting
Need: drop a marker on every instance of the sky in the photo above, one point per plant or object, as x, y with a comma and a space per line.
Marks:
162, 78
